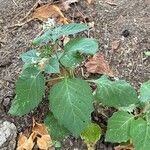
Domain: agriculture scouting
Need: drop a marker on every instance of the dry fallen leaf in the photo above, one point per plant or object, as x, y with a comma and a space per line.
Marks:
115, 45
39, 132
66, 4
39, 129
97, 64
49, 11
24, 143
44, 142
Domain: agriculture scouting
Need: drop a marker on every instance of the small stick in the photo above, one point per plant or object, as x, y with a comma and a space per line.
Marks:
29, 12
21, 24
30, 19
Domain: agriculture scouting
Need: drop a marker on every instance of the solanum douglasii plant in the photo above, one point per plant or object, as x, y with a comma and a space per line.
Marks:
71, 97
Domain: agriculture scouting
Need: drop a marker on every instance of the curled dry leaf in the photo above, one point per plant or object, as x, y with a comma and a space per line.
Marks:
97, 64
66, 4
39, 132
24, 143
49, 11
115, 45
39, 129
44, 142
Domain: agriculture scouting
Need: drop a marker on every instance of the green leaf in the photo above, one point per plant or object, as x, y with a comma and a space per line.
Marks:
116, 93
140, 134
46, 52
27, 65
145, 92
71, 104
54, 34
147, 53
52, 66
29, 91
56, 131
82, 45
73, 28
71, 60
43, 39
91, 134
119, 127
30, 56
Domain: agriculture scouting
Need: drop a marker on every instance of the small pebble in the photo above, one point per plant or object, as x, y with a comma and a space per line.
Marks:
125, 33
6, 101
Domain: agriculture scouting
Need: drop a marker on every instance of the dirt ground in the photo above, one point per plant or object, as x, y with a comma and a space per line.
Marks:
128, 61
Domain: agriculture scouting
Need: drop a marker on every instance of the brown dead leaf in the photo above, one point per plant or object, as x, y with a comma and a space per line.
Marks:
39, 132
44, 142
97, 64
39, 129
66, 4
21, 140
49, 11
115, 45
24, 143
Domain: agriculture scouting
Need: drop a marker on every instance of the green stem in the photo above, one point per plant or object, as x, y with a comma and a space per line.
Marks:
72, 73
90, 81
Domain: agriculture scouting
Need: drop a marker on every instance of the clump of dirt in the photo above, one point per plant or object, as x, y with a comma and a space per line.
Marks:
127, 22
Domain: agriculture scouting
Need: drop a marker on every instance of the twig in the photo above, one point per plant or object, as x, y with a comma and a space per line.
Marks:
21, 23
55, 79
29, 12
15, 3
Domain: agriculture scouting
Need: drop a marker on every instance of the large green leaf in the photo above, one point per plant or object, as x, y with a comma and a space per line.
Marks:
140, 134
29, 91
91, 134
56, 33
73, 28
118, 128
30, 56
117, 93
56, 131
71, 60
145, 92
71, 104
82, 45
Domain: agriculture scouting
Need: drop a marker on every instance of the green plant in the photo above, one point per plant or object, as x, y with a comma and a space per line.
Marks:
129, 124
71, 98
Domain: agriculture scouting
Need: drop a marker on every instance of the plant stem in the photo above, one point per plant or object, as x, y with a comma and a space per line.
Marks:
144, 110
91, 147
90, 81
54, 79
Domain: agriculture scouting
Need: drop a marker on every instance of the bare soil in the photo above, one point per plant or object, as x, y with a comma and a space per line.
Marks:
128, 61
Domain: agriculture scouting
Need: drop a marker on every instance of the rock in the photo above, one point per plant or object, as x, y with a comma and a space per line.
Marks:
8, 133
